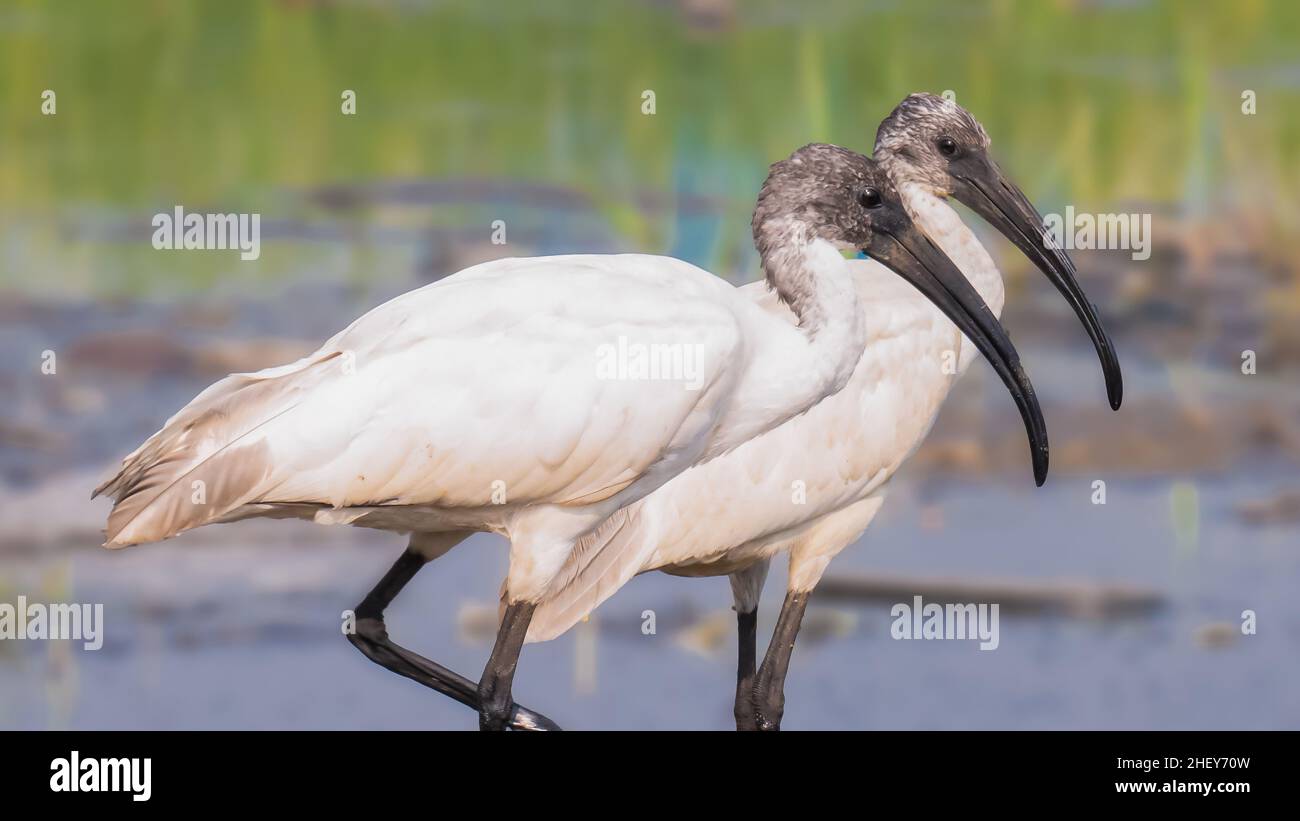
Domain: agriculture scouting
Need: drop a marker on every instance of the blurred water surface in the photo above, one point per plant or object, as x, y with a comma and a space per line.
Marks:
242, 632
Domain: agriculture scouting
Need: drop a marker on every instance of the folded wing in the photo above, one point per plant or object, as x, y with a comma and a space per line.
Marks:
496, 380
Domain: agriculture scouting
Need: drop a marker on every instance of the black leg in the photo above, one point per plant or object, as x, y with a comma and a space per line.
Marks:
769, 687
371, 638
495, 701
747, 631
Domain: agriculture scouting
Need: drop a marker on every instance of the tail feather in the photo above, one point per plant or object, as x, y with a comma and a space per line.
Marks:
601, 563
207, 460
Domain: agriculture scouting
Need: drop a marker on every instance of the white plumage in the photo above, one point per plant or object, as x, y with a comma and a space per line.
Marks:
811, 486
478, 402
484, 382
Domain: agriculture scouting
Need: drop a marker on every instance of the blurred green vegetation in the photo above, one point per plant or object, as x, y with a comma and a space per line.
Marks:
235, 105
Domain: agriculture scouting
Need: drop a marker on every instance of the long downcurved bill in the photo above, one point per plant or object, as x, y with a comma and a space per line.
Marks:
916, 259
981, 186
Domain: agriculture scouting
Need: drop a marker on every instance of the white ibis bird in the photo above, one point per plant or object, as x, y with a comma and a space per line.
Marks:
731, 515
478, 403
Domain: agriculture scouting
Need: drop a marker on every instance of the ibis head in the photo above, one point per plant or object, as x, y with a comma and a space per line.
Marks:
932, 141
850, 200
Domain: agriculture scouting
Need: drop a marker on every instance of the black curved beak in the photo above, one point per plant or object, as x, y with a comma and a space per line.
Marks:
916, 259
981, 186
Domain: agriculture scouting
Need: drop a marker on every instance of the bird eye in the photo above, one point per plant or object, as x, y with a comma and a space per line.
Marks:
947, 146
869, 198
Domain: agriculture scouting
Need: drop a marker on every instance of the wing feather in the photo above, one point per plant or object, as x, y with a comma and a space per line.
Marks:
442, 395
839, 449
